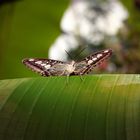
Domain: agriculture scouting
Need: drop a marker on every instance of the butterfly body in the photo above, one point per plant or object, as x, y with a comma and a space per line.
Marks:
49, 67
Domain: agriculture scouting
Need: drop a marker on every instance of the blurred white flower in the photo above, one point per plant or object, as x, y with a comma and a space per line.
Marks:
62, 44
89, 21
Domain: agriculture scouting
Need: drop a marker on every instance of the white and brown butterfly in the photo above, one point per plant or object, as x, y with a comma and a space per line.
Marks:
49, 67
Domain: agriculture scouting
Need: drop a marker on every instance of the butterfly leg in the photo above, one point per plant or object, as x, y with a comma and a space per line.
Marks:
67, 80
82, 79
63, 73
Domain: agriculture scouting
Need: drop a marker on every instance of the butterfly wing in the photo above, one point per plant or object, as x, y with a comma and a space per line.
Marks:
86, 65
48, 67
45, 67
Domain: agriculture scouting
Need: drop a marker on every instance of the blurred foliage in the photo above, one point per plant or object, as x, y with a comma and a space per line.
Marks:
134, 14
27, 29
126, 44
102, 107
129, 43
7, 1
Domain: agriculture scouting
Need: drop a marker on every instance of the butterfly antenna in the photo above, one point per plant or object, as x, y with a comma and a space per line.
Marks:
80, 52
76, 55
69, 55
67, 80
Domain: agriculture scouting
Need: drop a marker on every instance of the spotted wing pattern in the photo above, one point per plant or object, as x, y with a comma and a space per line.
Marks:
86, 65
45, 67
48, 67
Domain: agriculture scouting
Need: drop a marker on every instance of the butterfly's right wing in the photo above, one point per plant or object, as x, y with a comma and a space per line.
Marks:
86, 65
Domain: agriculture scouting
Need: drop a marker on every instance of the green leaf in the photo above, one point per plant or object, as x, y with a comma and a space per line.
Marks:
102, 107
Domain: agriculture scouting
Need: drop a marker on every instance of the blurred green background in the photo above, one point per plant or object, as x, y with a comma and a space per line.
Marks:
28, 28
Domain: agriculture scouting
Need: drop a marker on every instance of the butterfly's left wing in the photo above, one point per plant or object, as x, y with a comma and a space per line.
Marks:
86, 65
45, 67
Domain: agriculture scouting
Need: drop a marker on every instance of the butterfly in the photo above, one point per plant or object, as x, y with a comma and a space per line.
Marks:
49, 67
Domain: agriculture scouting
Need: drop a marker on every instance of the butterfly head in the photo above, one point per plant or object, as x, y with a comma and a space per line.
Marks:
70, 67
